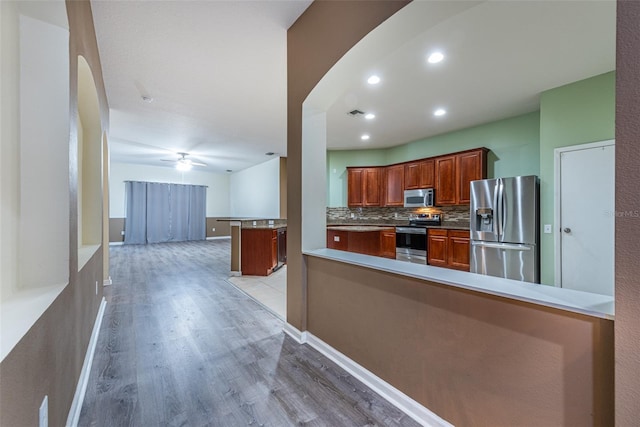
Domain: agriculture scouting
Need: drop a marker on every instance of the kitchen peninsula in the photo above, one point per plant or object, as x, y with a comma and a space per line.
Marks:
258, 245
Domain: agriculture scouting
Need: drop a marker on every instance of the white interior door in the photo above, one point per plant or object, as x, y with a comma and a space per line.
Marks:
587, 217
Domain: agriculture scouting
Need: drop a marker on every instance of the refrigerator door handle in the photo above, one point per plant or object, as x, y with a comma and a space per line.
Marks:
497, 203
503, 209
506, 246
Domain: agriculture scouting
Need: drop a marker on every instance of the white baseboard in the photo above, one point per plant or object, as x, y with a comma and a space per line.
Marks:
81, 389
293, 332
218, 237
391, 394
107, 282
116, 243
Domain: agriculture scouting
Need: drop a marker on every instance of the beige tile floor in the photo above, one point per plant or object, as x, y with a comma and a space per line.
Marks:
270, 291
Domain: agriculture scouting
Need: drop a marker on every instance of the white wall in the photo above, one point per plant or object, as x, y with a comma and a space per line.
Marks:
217, 185
43, 247
255, 192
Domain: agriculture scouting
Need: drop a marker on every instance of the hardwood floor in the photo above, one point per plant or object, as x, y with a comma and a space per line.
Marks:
180, 346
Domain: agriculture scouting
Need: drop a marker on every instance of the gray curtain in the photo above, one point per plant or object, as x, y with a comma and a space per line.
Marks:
158, 213
197, 213
135, 231
165, 212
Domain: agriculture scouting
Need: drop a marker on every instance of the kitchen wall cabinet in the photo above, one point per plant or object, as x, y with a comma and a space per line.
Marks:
448, 248
258, 251
419, 174
364, 186
394, 185
454, 173
449, 175
380, 242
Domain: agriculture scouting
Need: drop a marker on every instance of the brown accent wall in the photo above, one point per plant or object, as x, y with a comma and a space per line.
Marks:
49, 358
116, 227
527, 364
222, 227
315, 42
627, 325
473, 359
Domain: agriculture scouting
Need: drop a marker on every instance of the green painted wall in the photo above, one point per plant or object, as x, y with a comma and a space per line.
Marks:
337, 162
514, 145
577, 113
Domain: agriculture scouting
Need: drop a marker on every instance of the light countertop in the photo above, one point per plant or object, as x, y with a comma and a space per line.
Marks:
595, 305
360, 228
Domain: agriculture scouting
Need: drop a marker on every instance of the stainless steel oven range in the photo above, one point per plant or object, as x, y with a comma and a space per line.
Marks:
411, 240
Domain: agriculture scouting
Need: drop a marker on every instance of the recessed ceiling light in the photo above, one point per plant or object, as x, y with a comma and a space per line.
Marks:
365, 137
373, 80
440, 112
435, 57
369, 116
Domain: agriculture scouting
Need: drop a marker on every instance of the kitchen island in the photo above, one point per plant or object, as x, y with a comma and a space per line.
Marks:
263, 254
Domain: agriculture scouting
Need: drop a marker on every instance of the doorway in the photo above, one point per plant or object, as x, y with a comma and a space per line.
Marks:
585, 217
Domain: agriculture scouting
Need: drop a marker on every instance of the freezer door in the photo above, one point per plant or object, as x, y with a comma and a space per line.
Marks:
484, 214
511, 261
518, 210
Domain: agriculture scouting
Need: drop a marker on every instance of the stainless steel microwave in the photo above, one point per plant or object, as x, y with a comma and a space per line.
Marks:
418, 198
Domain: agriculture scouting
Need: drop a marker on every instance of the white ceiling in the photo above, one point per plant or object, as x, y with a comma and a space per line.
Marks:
216, 71
499, 57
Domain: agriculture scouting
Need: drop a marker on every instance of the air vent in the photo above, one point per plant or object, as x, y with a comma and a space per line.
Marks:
270, 153
355, 112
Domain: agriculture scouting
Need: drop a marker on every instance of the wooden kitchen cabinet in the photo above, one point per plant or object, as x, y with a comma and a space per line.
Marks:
380, 243
394, 185
388, 244
445, 185
437, 241
458, 250
471, 166
258, 251
454, 173
364, 186
448, 248
419, 174
338, 240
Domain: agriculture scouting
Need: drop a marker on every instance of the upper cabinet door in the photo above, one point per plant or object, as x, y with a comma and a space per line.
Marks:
355, 185
394, 189
412, 175
372, 186
471, 167
427, 174
445, 185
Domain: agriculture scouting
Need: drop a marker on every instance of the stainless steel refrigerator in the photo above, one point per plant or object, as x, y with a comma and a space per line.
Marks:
505, 228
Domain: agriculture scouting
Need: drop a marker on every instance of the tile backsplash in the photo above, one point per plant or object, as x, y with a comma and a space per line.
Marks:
395, 215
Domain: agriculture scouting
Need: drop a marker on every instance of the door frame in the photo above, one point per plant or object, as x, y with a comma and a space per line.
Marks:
556, 200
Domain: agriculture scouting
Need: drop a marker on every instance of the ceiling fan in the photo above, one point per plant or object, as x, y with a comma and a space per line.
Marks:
184, 164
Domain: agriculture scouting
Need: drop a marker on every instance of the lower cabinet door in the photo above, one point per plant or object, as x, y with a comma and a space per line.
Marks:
458, 251
437, 248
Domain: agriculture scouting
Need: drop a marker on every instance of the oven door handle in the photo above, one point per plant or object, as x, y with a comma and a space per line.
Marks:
411, 230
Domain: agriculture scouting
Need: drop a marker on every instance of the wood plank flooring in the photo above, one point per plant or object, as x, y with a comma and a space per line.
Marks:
180, 346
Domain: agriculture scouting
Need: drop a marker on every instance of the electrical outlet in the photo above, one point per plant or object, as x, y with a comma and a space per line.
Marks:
336, 238
270, 222
213, 229
547, 228
122, 233
44, 413
254, 223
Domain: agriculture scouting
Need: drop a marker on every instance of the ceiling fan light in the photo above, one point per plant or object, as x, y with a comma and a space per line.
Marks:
184, 165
